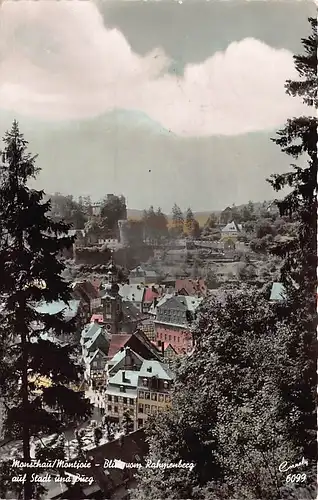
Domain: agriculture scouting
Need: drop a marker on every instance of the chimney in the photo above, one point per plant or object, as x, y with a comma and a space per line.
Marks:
163, 349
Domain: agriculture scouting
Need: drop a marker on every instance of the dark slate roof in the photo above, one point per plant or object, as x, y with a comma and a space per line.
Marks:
131, 313
118, 340
131, 448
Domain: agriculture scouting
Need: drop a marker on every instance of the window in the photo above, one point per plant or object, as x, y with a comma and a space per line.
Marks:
154, 410
141, 408
165, 337
140, 423
141, 394
169, 338
154, 396
116, 399
161, 398
165, 384
116, 409
174, 338
145, 382
109, 408
167, 398
147, 409
94, 364
131, 401
147, 395
122, 388
109, 398
125, 401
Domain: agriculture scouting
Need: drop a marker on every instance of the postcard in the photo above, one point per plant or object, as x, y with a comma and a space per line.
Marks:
158, 249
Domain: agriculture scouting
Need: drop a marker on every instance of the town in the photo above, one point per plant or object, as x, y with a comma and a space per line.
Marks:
158, 250
132, 324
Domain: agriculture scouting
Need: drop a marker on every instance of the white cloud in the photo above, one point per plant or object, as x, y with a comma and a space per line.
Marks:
58, 61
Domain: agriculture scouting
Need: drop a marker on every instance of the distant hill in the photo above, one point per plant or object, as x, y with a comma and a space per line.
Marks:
201, 217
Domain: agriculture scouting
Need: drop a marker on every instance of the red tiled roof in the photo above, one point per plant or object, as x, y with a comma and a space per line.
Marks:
150, 295
97, 317
86, 289
191, 286
118, 341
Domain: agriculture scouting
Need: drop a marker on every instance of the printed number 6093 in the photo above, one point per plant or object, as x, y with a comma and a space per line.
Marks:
296, 478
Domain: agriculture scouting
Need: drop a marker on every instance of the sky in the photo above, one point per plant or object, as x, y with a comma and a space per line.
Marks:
162, 101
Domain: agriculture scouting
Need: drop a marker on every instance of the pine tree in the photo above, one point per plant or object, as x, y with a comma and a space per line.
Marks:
299, 253
30, 246
189, 221
161, 224
177, 220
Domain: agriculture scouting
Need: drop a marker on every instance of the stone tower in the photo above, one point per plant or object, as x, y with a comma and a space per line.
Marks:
112, 302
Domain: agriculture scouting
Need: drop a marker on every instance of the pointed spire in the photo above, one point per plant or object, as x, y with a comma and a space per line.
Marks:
112, 270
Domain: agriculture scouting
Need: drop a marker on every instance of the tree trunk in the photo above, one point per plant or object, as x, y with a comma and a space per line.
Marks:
27, 487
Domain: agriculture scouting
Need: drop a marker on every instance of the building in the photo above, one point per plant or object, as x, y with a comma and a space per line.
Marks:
173, 321
125, 359
95, 342
147, 326
191, 287
120, 316
232, 229
106, 482
97, 318
168, 281
142, 276
121, 395
141, 387
116, 483
152, 294
134, 294
155, 383
169, 353
137, 342
141, 296
87, 293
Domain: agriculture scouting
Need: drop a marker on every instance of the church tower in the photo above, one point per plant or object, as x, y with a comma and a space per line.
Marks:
112, 301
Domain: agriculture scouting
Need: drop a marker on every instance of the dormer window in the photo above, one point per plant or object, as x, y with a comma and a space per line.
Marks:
165, 384
145, 382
